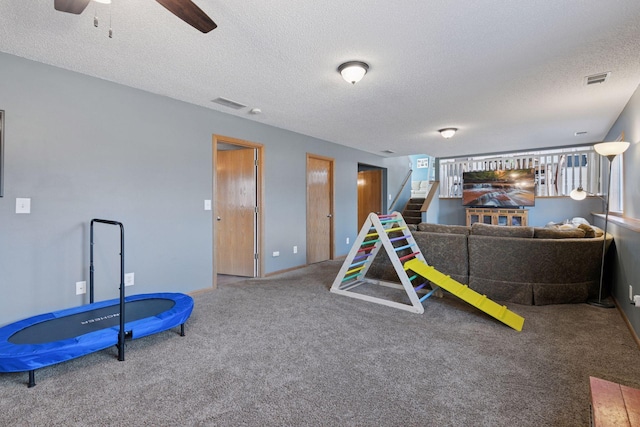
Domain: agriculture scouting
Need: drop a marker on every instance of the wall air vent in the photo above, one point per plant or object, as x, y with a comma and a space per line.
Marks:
229, 103
596, 78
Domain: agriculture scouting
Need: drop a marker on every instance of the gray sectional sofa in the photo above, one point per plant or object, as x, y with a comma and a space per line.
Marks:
524, 265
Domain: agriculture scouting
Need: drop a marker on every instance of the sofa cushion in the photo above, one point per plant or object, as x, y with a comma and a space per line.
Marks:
447, 252
501, 290
480, 229
561, 293
443, 228
558, 233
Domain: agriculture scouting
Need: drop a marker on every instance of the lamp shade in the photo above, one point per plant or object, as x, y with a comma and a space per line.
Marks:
578, 193
448, 132
611, 148
353, 71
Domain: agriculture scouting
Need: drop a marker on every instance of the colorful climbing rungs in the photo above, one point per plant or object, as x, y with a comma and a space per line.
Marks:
375, 235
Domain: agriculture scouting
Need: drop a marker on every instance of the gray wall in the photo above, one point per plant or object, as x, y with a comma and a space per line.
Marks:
547, 209
84, 148
627, 240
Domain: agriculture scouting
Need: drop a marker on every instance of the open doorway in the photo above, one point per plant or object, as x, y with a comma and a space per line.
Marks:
237, 210
370, 190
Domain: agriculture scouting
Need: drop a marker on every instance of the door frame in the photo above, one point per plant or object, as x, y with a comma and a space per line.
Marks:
259, 237
331, 201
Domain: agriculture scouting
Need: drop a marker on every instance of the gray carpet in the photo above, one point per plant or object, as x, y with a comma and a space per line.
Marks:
285, 351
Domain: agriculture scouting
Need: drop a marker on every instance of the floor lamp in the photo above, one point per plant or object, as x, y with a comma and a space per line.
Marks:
609, 150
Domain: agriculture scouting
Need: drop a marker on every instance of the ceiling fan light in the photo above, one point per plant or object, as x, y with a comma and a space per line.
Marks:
353, 71
448, 132
611, 148
578, 194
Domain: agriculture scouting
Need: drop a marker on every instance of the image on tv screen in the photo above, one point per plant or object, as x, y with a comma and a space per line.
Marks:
501, 188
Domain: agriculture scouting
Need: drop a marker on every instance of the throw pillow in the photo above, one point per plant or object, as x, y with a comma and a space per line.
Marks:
599, 231
589, 232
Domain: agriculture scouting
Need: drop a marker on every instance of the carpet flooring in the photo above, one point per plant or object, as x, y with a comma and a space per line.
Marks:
284, 351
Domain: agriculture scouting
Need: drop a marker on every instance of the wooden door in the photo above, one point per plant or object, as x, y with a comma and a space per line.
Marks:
319, 209
236, 201
369, 194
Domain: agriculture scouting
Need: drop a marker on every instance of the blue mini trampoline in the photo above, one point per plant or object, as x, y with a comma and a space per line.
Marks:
62, 335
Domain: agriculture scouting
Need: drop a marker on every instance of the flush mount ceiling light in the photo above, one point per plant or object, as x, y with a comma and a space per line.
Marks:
103, 1
353, 71
448, 132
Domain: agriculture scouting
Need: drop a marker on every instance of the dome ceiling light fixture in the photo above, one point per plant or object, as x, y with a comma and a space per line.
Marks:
353, 71
448, 132
578, 193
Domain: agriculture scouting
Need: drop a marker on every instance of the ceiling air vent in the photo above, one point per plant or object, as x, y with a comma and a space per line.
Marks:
229, 103
596, 78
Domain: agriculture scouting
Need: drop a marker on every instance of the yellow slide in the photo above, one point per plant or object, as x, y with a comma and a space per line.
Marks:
463, 292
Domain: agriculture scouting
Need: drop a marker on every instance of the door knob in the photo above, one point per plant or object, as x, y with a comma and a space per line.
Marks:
329, 216
218, 218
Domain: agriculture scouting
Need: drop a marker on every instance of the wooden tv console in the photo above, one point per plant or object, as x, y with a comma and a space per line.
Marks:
512, 217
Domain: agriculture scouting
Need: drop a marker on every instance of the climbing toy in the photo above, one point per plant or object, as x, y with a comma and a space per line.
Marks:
391, 233
382, 231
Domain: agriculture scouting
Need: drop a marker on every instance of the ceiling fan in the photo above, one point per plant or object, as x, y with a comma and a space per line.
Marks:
183, 9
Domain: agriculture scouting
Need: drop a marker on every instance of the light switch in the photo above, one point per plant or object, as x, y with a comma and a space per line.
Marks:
23, 206
207, 205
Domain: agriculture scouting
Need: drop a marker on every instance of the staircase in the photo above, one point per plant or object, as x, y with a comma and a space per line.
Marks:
412, 213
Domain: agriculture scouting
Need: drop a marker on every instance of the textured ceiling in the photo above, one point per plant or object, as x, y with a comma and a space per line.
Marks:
508, 73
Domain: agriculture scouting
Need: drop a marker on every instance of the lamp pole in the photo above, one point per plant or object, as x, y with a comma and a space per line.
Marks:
599, 302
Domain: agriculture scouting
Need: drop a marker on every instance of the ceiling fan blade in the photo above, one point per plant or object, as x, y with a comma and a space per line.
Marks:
189, 13
71, 6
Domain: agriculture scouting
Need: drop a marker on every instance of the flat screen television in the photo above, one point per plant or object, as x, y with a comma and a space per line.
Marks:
499, 188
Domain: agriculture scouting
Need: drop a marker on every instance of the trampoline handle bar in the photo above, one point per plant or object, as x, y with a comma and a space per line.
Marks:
121, 334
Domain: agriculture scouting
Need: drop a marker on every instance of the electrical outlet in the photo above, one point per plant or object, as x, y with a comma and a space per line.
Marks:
81, 288
295, 249
276, 253
23, 205
347, 240
128, 279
